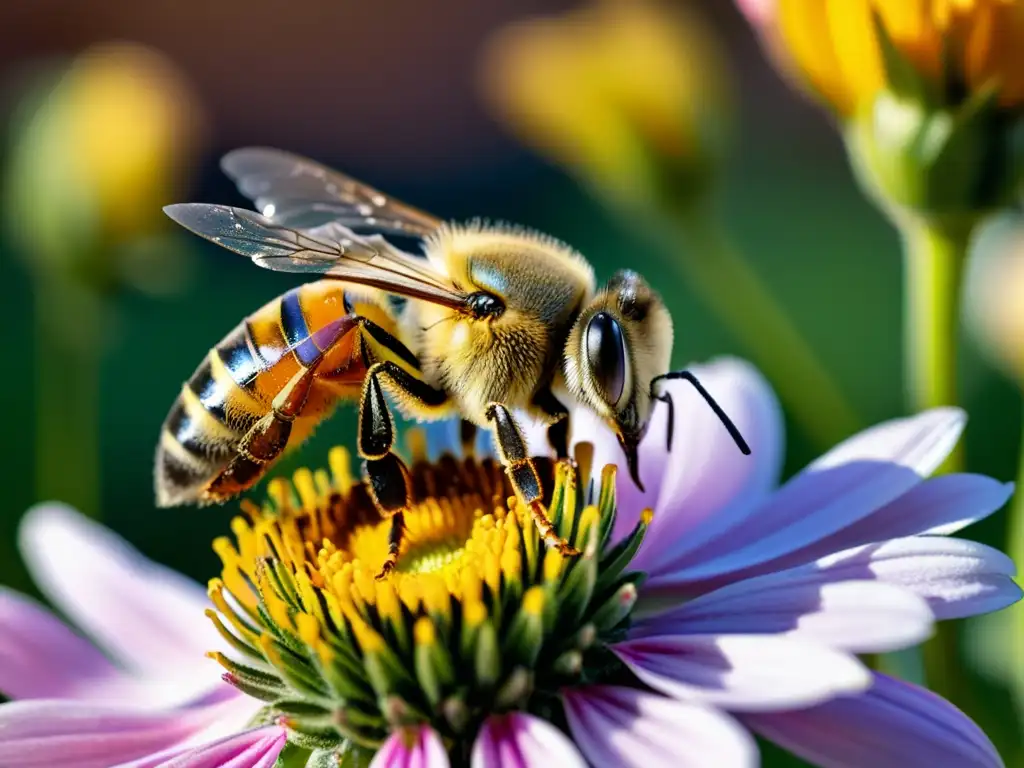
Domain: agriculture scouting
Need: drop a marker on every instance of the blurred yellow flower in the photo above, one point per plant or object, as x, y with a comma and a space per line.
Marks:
630, 94
958, 45
97, 158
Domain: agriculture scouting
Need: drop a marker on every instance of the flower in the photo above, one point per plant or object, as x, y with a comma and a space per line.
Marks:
834, 47
707, 607
144, 695
632, 95
931, 90
95, 158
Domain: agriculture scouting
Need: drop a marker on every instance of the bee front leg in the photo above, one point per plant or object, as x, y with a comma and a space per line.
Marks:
523, 474
390, 483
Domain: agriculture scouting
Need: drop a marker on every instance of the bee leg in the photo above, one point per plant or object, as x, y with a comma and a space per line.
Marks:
558, 416
390, 483
523, 475
467, 437
265, 440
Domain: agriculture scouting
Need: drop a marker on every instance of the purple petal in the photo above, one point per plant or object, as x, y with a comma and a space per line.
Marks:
625, 727
518, 740
956, 577
40, 657
743, 672
258, 748
707, 482
892, 725
411, 748
808, 602
938, 506
145, 615
845, 485
45, 733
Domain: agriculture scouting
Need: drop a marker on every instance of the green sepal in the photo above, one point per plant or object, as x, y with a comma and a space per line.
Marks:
386, 672
456, 713
569, 664
434, 670
901, 75
618, 558
299, 674
260, 685
607, 509
360, 728
515, 691
576, 590
525, 637
556, 507
947, 164
280, 634
615, 609
304, 712
487, 659
280, 578
314, 739
346, 679
232, 639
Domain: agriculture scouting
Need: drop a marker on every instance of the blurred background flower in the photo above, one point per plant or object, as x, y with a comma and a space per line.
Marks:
390, 92
635, 97
97, 148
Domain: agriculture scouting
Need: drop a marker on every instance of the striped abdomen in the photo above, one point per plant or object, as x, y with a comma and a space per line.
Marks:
236, 384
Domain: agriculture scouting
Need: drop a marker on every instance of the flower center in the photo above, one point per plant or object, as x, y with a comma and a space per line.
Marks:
478, 617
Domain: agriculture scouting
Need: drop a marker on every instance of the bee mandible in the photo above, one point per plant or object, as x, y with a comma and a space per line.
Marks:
492, 320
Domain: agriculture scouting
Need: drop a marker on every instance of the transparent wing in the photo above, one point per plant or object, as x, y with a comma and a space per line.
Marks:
331, 250
296, 191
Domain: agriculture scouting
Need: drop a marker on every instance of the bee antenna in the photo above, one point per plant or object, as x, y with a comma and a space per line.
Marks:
435, 324
734, 433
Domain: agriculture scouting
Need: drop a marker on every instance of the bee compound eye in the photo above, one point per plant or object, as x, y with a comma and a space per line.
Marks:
606, 356
484, 304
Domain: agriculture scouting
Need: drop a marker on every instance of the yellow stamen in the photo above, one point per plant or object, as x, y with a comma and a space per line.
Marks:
424, 632
533, 601
553, 560
308, 627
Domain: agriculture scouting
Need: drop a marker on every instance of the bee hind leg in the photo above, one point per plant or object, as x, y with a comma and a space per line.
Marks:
523, 474
266, 440
389, 481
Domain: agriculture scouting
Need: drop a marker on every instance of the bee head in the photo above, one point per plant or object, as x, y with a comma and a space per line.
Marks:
620, 342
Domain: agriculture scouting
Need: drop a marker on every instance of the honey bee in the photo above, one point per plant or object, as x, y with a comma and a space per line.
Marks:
494, 319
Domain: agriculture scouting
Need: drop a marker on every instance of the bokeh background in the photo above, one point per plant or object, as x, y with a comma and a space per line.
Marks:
390, 92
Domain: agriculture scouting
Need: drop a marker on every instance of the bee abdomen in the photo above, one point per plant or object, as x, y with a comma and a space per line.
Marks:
202, 430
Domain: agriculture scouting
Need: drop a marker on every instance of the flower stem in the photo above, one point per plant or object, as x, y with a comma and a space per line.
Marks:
935, 254
934, 257
713, 265
67, 368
